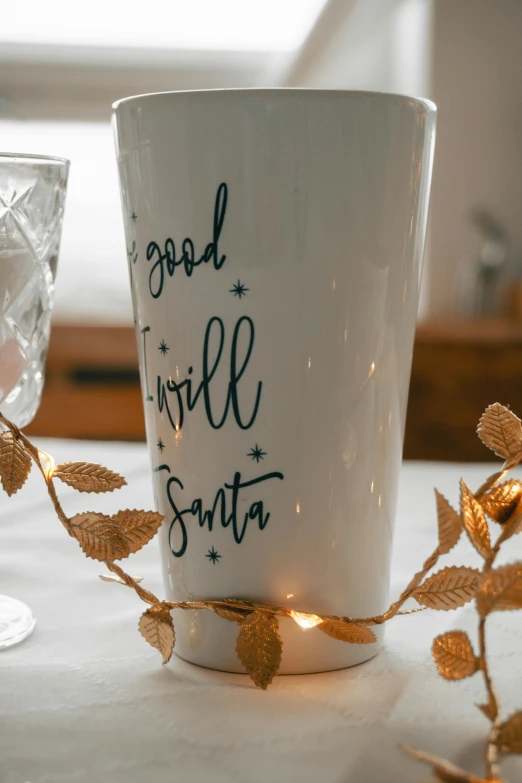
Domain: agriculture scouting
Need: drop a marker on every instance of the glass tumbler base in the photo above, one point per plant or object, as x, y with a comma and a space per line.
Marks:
16, 621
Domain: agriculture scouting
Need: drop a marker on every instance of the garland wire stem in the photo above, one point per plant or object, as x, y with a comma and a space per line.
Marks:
491, 749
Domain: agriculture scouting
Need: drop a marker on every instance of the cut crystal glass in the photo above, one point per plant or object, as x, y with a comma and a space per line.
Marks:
32, 198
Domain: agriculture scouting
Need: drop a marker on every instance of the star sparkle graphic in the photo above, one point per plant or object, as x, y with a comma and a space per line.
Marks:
239, 289
161, 445
256, 453
213, 556
163, 347
134, 217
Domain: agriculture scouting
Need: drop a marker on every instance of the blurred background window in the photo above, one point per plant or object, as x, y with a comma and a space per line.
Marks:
237, 25
63, 64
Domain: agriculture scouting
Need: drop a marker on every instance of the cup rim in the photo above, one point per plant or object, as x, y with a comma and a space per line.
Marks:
425, 103
31, 157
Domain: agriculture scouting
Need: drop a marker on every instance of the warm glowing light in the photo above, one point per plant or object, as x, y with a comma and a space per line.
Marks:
304, 619
290, 595
298, 508
48, 464
372, 486
380, 501
372, 370
309, 362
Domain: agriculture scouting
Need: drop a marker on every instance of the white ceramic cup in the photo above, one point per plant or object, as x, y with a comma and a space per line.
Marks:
275, 240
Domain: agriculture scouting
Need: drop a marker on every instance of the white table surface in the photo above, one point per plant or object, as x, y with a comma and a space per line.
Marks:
85, 700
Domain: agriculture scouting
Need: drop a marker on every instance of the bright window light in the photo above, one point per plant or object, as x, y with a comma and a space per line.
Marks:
239, 25
92, 283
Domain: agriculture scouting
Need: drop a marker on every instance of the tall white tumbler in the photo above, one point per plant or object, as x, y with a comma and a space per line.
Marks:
275, 241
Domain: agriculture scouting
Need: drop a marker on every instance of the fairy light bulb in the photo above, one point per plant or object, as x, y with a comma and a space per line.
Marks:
304, 619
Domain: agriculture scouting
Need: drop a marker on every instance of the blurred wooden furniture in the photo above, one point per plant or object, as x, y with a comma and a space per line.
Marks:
459, 367
92, 385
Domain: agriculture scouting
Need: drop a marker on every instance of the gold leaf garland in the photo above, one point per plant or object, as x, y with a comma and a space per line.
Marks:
487, 710
502, 501
445, 770
259, 645
133, 582
511, 527
118, 579
345, 631
88, 477
500, 590
138, 527
157, 628
233, 615
489, 483
448, 589
510, 734
450, 524
454, 656
99, 536
474, 519
15, 462
501, 431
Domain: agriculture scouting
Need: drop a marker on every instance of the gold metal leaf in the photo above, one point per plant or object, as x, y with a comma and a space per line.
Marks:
345, 631
15, 463
510, 735
118, 579
502, 501
501, 431
489, 483
512, 526
99, 537
500, 590
448, 589
89, 477
138, 526
474, 521
157, 628
233, 615
259, 647
454, 656
228, 610
487, 710
444, 770
450, 524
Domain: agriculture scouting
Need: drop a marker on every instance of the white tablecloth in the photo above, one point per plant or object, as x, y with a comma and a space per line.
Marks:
85, 700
